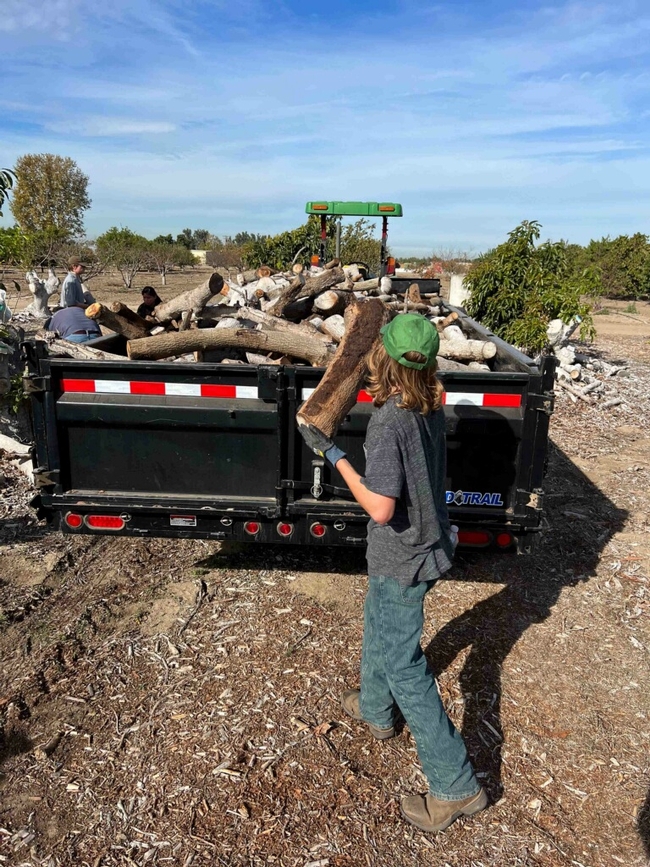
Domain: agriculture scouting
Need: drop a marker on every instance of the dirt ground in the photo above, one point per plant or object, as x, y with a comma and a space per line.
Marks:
172, 702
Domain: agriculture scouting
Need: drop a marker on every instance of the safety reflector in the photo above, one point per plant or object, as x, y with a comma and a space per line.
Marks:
285, 529
252, 528
317, 530
73, 521
105, 522
504, 540
478, 538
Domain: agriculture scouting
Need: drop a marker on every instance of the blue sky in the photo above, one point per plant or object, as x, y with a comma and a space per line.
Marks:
230, 116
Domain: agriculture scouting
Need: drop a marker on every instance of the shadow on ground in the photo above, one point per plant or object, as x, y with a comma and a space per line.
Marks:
568, 554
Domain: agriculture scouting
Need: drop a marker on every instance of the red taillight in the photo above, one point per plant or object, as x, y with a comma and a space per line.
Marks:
317, 530
252, 528
105, 522
504, 540
285, 529
474, 537
73, 521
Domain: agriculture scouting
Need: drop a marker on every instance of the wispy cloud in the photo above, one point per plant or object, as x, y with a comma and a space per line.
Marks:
232, 117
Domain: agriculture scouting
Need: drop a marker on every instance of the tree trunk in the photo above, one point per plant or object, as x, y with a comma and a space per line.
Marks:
467, 350
272, 323
246, 277
116, 322
332, 301
132, 316
337, 391
58, 346
300, 288
193, 299
334, 326
296, 345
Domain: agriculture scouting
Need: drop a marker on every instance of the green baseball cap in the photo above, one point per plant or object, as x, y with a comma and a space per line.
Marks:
410, 332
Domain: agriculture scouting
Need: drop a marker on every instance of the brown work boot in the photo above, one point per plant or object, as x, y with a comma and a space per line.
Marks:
350, 704
430, 814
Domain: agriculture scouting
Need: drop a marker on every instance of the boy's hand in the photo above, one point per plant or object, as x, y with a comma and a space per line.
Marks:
320, 444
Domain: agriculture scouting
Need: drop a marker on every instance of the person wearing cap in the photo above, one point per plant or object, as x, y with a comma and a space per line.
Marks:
410, 545
150, 300
73, 293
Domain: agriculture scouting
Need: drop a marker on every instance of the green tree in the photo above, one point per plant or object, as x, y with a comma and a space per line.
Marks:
125, 251
6, 183
517, 288
163, 257
279, 251
163, 239
12, 246
186, 238
358, 244
51, 194
623, 262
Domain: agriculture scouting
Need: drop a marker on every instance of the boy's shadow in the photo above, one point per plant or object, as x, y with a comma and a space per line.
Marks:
567, 555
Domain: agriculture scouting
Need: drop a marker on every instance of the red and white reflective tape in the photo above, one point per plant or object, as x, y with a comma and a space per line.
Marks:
453, 398
462, 398
167, 389
250, 392
362, 396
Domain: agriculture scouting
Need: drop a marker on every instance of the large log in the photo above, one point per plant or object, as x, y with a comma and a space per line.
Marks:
332, 301
116, 322
295, 344
300, 288
337, 391
333, 326
131, 315
272, 323
467, 350
193, 299
58, 346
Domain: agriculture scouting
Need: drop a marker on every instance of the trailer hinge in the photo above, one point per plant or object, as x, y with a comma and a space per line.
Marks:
43, 477
36, 384
541, 402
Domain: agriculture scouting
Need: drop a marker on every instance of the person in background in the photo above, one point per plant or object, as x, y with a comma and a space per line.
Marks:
411, 544
71, 323
73, 293
150, 300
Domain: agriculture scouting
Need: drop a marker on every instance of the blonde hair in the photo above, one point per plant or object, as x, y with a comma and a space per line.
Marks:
417, 389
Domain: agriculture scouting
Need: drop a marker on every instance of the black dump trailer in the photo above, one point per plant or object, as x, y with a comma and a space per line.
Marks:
140, 448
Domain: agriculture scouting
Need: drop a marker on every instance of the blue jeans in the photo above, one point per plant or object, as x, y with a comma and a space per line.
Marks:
394, 672
82, 338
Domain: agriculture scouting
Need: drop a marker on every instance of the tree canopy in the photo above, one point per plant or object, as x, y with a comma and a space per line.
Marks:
518, 287
50, 195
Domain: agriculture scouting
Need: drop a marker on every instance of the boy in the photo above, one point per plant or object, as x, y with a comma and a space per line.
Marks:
409, 547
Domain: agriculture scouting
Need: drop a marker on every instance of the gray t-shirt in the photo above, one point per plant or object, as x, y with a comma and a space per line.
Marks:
72, 292
406, 459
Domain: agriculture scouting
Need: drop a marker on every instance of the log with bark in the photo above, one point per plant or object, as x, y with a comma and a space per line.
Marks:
117, 322
194, 299
294, 344
306, 289
332, 301
131, 315
58, 346
334, 326
337, 391
467, 350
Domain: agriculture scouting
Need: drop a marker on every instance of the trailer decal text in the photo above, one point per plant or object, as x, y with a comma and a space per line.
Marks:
473, 498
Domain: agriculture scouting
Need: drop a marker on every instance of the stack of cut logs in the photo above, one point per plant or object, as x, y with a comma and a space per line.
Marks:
297, 317
582, 375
